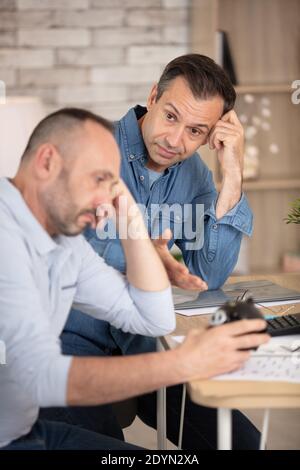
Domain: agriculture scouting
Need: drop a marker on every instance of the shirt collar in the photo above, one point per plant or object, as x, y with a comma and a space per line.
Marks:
136, 148
11, 197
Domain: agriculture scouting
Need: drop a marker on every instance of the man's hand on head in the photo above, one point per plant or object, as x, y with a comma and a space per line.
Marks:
179, 274
227, 137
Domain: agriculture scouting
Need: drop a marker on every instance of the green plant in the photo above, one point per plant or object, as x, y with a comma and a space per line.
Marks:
294, 215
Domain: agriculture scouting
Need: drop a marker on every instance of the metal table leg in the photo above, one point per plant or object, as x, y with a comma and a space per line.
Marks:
224, 429
161, 412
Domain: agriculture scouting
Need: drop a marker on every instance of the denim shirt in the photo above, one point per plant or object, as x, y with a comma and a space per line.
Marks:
187, 182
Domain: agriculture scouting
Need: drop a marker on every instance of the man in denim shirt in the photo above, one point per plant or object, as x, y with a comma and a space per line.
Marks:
191, 105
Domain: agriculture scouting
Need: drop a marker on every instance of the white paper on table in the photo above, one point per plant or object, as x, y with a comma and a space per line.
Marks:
273, 361
190, 312
273, 304
178, 339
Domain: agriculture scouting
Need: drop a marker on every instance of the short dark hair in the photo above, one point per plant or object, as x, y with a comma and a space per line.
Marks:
205, 78
60, 123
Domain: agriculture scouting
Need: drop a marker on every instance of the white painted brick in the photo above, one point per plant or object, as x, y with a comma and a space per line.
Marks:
90, 94
7, 38
175, 34
25, 19
36, 58
113, 111
139, 93
7, 5
125, 3
54, 37
90, 18
176, 3
8, 20
154, 54
126, 74
35, 19
126, 36
90, 56
8, 76
156, 17
52, 4
47, 95
129, 43
56, 76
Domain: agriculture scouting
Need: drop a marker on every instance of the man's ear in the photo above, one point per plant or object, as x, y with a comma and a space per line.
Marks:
47, 161
152, 97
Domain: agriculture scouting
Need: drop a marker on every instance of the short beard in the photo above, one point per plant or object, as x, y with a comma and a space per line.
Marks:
60, 209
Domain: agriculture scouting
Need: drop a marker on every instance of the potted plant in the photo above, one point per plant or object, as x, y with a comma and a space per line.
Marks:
294, 214
291, 261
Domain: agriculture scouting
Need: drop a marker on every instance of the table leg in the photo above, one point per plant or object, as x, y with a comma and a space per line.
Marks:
264, 432
161, 412
182, 417
224, 429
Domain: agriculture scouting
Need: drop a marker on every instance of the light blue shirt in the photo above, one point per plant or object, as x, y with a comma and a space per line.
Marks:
40, 279
153, 176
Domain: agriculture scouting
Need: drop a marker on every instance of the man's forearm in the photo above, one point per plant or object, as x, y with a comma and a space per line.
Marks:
145, 269
203, 354
229, 196
96, 381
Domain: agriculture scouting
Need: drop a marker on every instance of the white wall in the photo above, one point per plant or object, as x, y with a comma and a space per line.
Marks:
102, 55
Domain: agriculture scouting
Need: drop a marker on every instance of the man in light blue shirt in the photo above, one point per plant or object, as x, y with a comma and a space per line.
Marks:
69, 168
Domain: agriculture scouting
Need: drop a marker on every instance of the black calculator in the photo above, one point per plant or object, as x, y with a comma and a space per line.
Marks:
284, 325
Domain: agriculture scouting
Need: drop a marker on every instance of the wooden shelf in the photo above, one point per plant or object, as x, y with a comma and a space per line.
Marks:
264, 45
267, 185
264, 185
280, 88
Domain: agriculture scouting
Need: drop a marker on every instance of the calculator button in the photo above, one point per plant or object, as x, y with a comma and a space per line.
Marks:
288, 320
296, 319
272, 324
283, 322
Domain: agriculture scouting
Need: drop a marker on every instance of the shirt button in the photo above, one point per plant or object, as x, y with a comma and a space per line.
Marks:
142, 178
215, 227
131, 157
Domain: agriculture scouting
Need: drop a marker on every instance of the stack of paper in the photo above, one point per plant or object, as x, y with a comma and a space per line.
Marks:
278, 360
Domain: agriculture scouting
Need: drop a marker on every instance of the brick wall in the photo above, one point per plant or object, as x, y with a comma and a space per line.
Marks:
102, 55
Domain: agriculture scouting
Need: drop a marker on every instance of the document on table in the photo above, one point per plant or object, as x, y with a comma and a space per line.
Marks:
277, 361
209, 301
190, 312
260, 291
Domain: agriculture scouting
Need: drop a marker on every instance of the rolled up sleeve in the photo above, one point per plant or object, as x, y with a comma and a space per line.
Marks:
217, 258
105, 293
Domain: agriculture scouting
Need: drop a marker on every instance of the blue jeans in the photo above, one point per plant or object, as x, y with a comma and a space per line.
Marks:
105, 337
200, 423
51, 435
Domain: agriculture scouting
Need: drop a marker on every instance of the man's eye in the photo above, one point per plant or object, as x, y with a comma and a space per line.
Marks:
98, 179
170, 117
195, 132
